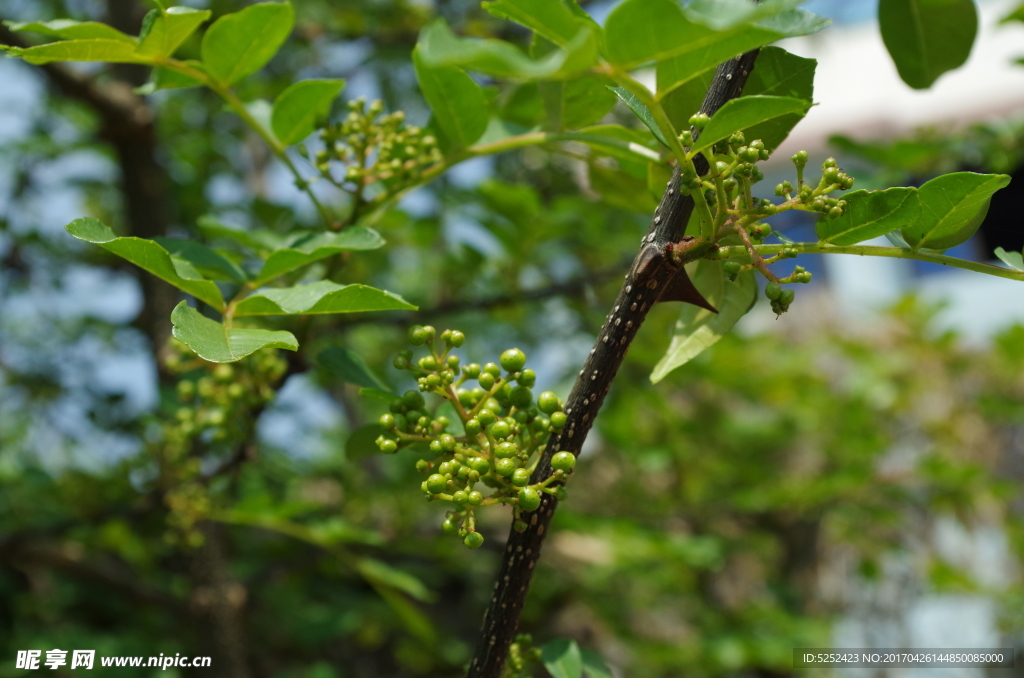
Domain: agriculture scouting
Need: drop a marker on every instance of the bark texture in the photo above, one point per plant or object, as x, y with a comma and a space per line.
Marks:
652, 274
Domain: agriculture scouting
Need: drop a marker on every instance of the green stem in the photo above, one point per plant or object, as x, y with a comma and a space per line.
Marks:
238, 108
872, 251
638, 90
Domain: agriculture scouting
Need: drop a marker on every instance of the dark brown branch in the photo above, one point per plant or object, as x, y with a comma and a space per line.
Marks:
649, 275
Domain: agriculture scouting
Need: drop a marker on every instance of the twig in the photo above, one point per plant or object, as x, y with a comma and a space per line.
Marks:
652, 270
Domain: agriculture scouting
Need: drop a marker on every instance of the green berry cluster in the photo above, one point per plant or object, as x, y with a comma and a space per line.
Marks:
815, 199
214, 414
522, 653
504, 430
726, 190
374, 147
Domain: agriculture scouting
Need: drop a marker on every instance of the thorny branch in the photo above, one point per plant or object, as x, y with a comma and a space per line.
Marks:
653, 276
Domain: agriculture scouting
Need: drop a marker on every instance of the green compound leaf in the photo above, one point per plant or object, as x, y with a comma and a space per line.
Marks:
438, 46
163, 32
309, 247
1014, 260
638, 31
698, 328
208, 263
576, 102
952, 208
926, 38
594, 666
459, 105
298, 108
242, 43
67, 29
320, 297
725, 14
562, 659
641, 111
779, 73
350, 367
746, 112
98, 49
551, 19
214, 342
869, 214
151, 257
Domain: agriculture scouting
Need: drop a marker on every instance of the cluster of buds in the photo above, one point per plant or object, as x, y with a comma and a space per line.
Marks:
495, 445
374, 147
726, 190
815, 199
213, 416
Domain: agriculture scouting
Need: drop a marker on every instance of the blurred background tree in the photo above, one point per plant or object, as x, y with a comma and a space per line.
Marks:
760, 499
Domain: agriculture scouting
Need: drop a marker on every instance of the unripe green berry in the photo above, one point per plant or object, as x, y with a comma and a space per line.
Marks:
472, 371
772, 290
521, 397
447, 442
473, 427
475, 498
563, 461
492, 369
521, 477
505, 467
699, 120
787, 296
540, 424
527, 378
473, 540
432, 381
505, 450
460, 496
479, 464
400, 363
800, 158
452, 361
457, 338
387, 421
428, 362
417, 336
547, 402
558, 420
835, 213
388, 446
450, 526
829, 162
413, 400
529, 499
437, 483
396, 405
486, 417
401, 423
486, 381
513, 360
831, 175
731, 267
500, 429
